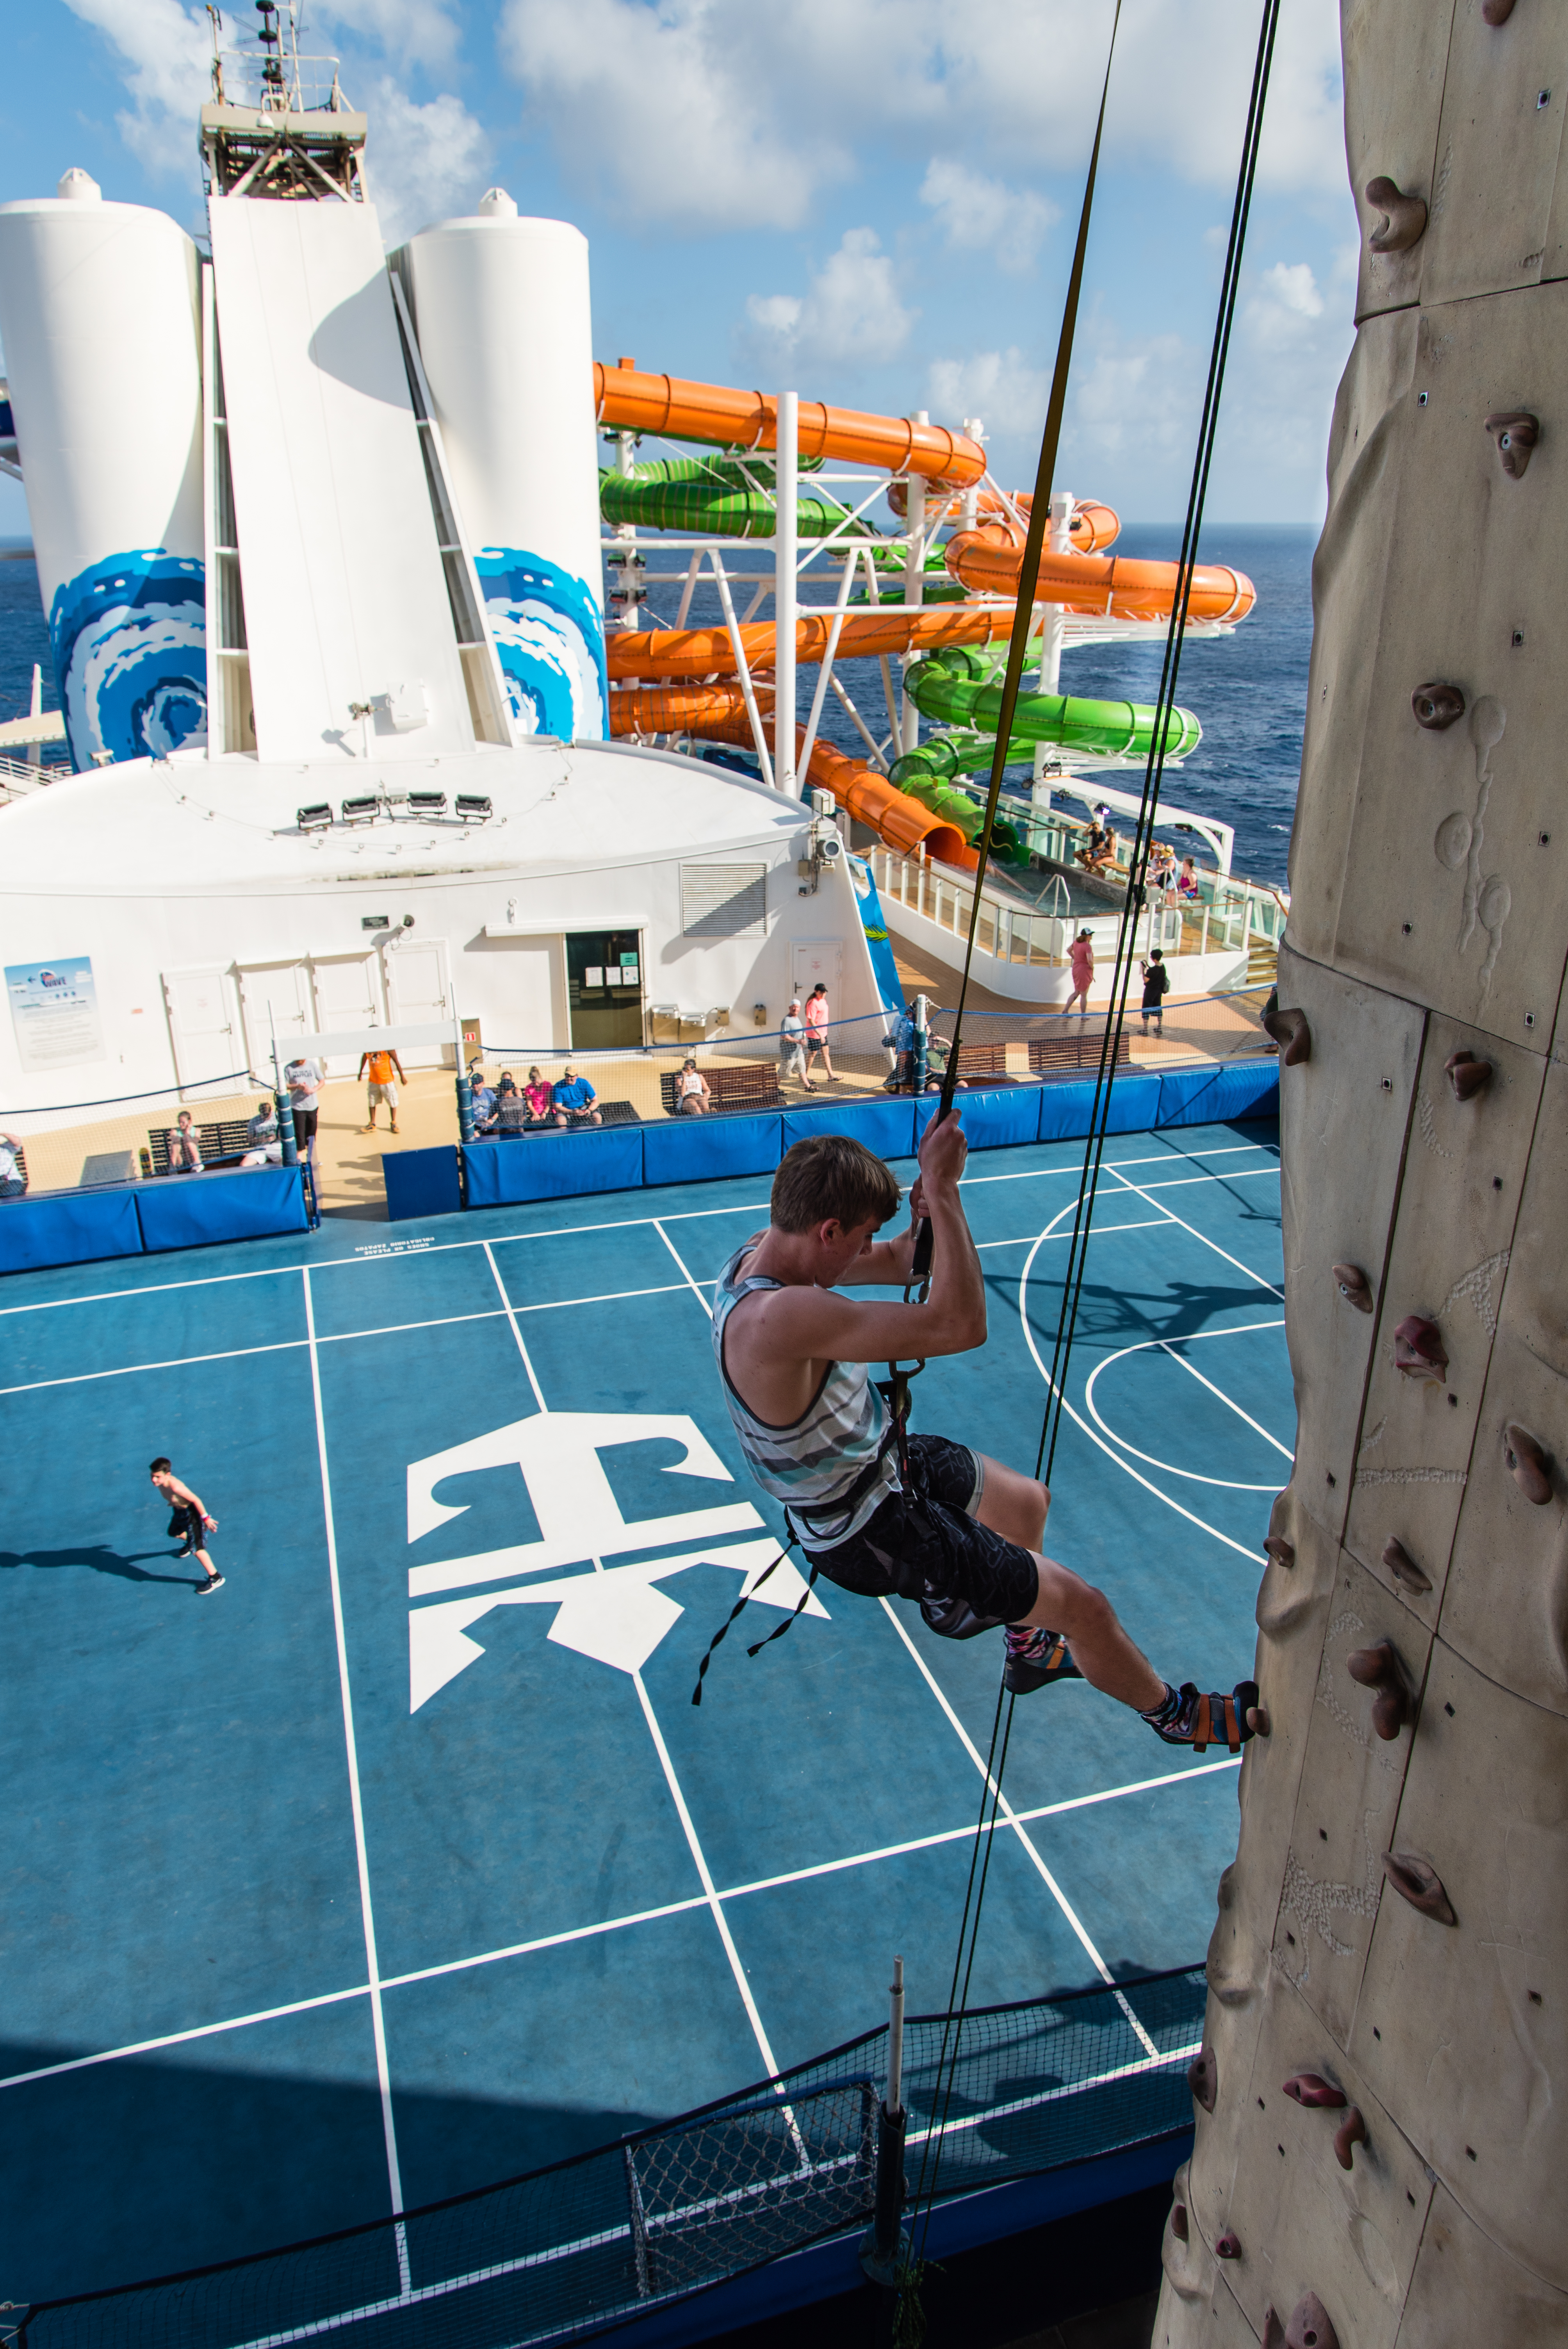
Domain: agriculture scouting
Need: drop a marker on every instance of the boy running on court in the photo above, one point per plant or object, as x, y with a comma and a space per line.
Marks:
190, 1520
951, 1529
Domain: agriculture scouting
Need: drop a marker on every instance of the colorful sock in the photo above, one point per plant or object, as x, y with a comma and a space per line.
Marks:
1165, 1715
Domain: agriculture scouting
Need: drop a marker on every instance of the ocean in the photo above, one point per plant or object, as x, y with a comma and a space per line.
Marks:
1249, 690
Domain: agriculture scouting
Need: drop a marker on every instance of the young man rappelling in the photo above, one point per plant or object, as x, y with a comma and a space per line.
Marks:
883, 1513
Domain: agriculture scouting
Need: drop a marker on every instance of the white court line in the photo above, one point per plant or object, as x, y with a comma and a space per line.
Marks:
696, 1287
176, 1362
1102, 1231
510, 1311
1168, 1468
607, 1925
1142, 1194
1008, 1812
361, 1853
1079, 1421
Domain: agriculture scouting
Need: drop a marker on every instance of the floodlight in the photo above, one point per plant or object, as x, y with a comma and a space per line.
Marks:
473, 808
362, 811
426, 802
315, 819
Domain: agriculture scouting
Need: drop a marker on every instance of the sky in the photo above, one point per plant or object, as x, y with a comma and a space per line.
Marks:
871, 201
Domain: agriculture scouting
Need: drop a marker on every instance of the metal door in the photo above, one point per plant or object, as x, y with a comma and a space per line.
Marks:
819, 962
202, 1024
274, 996
419, 992
347, 992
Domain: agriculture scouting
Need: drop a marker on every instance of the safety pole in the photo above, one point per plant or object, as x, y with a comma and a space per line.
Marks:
284, 1114
787, 480
922, 1042
465, 1087
883, 2251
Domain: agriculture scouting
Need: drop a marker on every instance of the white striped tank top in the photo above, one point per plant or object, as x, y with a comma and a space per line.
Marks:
818, 1456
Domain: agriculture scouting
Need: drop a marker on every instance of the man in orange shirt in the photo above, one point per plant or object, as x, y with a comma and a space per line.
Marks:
380, 1068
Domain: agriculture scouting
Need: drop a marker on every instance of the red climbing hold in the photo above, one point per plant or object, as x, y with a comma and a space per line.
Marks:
1419, 1349
1379, 1667
1203, 2079
1312, 2088
1438, 706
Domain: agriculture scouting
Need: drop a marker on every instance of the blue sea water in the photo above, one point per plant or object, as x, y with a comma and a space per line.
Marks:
1249, 690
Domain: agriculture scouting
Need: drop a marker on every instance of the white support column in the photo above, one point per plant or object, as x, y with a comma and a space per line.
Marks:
913, 577
1059, 541
786, 491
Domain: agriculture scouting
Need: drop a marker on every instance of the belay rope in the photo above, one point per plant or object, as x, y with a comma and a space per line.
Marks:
907, 2320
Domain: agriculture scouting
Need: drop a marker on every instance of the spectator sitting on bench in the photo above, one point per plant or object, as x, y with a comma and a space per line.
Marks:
13, 1181
184, 1146
574, 1100
692, 1095
262, 1147
538, 1094
510, 1114
1099, 850
481, 1094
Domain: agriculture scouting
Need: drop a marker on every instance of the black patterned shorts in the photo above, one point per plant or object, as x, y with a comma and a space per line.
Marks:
925, 1543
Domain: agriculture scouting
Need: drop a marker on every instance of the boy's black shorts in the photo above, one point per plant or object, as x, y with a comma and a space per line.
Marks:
927, 1543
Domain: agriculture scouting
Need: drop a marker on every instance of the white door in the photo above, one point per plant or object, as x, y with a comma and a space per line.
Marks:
274, 996
819, 962
347, 992
202, 1023
419, 993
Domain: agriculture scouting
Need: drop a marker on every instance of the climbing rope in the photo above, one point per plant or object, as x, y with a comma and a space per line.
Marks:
908, 2325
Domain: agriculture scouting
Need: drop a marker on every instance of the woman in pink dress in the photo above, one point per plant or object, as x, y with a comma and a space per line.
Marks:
1081, 955
817, 1016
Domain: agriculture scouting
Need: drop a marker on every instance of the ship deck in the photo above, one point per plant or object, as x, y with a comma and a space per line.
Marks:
280, 1949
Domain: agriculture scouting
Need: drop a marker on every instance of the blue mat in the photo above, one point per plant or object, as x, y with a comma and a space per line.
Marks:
68, 1227
195, 1210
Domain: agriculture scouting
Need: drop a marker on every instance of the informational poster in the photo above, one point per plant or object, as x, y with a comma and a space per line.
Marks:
54, 1010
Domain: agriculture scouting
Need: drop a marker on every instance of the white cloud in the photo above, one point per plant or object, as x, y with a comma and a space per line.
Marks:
1000, 388
168, 52
849, 315
415, 32
1281, 311
720, 113
660, 101
1291, 341
977, 214
422, 162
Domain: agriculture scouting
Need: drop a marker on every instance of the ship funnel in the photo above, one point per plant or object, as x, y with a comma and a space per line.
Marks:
501, 310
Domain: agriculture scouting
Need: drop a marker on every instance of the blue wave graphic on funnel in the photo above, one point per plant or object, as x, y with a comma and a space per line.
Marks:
129, 639
549, 634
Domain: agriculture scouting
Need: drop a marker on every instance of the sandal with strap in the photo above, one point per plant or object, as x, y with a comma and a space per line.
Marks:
1203, 1719
1036, 1658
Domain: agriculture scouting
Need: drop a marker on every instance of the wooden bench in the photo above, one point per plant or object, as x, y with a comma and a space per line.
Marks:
1077, 1047
221, 1143
749, 1085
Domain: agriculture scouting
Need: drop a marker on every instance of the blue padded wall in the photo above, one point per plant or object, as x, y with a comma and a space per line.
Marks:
421, 1183
699, 1148
196, 1210
68, 1227
886, 1126
553, 1165
1211, 1096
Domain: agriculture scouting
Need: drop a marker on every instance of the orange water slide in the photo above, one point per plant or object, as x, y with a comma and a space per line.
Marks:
707, 652
687, 709
990, 562
713, 412
891, 814
1093, 525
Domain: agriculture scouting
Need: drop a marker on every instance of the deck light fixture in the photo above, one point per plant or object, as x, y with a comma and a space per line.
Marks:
362, 811
315, 819
473, 808
428, 803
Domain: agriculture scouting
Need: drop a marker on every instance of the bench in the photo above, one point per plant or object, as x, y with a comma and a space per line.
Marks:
1077, 1047
750, 1085
612, 1112
221, 1143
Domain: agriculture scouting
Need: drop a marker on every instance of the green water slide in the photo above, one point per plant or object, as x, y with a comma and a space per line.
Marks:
961, 686
713, 495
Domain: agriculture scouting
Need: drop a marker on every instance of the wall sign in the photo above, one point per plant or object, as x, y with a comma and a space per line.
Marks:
54, 1011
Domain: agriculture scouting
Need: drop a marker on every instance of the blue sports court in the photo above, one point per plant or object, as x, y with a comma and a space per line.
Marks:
403, 1862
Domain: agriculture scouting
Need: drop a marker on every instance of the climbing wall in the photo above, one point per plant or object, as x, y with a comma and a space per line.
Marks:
1380, 2106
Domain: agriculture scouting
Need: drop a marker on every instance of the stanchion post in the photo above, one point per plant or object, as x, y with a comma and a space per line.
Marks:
883, 2252
922, 1042
284, 1114
465, 1088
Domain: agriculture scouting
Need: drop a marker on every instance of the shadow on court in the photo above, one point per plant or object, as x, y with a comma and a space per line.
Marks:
313, 2160
101, 1559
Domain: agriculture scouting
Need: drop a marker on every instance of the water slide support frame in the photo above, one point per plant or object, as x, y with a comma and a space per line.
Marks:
784, 599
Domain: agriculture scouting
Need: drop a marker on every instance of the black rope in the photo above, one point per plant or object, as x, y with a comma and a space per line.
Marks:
924, 2198
738, 1608
1154, 769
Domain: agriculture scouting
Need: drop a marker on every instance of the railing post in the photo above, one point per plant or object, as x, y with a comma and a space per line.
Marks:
921, 1042
883, 2252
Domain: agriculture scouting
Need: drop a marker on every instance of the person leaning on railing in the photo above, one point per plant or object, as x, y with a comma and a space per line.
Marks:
12, 1180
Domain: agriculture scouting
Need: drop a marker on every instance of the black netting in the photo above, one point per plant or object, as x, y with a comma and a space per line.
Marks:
562, 2251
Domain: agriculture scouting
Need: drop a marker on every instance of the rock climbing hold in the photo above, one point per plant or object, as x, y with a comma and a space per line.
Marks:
1292, 1034
1309, 2327
1516, 434
1416, 1882
1258, 1721
1404, 220
1283, 1552
1228, 2246
1496, 12
1354, 1287
1274, 2331
1527, 1463
1419, 1349
1467, 1075
1179, 2221
1403, 1567
1379, 1667
1203, 2079
1351, 2132
1312, 2088
1436, 705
